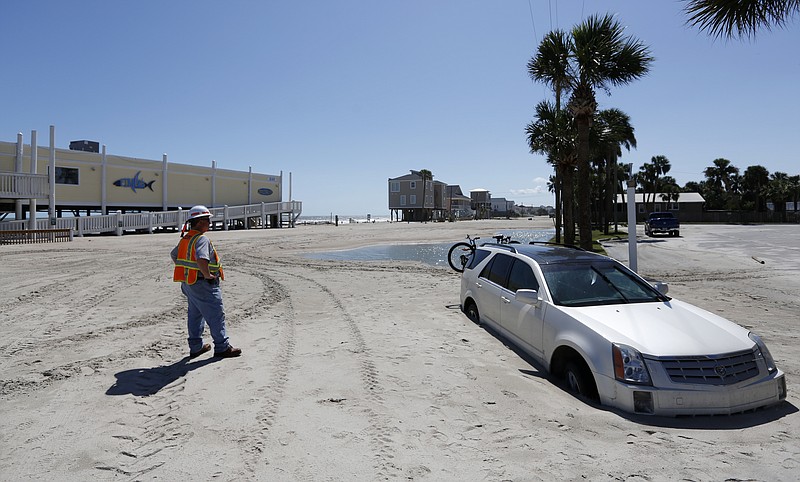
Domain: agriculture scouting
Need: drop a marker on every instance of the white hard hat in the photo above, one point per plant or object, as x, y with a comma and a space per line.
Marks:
199, 211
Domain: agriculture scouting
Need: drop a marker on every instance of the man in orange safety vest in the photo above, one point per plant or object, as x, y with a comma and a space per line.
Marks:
198, 269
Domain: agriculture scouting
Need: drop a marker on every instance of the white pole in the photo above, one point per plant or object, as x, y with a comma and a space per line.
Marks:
103, 183
32, 201
52, 207
214, 183
164, 192
632, 255
250, 185
18, 169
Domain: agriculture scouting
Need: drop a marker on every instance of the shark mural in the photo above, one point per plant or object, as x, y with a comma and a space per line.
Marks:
134, 182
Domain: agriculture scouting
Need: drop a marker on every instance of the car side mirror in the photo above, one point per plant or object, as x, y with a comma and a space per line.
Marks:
662, 288
530, 297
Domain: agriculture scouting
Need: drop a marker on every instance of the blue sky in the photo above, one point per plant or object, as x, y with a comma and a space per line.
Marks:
346, 94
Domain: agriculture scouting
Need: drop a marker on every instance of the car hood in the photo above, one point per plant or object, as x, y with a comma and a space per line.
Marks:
672, 328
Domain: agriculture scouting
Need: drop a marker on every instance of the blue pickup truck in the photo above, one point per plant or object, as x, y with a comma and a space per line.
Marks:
662, 223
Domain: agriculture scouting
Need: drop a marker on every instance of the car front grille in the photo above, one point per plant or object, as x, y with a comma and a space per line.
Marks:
711, 370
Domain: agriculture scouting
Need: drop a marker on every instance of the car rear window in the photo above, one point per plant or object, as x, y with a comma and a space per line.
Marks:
497, 269
475, 260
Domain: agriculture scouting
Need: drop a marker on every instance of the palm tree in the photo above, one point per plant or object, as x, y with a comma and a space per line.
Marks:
426, 175
622, 174
720, 182
794, 182
600, 57
550, 67
614, 131
780, 192
739, 18
647, 178
553, 134
669, 189
754, 184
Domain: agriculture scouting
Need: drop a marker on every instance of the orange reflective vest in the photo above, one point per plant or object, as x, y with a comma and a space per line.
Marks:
186, 268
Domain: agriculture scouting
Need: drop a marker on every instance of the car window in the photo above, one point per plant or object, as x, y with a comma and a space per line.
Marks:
522, 277
497, 269
475, 260
596, 283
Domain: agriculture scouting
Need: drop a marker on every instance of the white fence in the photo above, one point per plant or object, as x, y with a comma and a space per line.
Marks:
248, 216
24, 186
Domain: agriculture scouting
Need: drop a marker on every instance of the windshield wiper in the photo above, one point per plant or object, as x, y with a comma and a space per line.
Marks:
612, 285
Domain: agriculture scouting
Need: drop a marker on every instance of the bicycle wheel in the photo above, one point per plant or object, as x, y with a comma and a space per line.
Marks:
459, 255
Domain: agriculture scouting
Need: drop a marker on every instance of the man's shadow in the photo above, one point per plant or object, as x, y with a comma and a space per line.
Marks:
144, 382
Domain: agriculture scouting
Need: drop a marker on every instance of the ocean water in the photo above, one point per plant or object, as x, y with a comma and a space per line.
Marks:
434, 254
331, 219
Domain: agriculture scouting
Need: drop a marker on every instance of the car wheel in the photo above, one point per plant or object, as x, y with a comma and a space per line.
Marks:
471, 310
579, 382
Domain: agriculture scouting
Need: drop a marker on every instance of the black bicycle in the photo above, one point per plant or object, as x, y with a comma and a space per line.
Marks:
460, 253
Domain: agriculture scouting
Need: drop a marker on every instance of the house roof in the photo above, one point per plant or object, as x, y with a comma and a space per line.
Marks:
407, 177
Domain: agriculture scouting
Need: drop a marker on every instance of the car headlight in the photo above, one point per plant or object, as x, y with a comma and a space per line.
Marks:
765, 354
629, 366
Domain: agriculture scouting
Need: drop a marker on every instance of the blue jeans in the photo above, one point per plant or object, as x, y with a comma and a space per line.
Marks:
205, 306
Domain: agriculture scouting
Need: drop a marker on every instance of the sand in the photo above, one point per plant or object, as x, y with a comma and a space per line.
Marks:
354, 370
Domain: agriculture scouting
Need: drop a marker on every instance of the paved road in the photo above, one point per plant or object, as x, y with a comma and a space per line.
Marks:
777, 245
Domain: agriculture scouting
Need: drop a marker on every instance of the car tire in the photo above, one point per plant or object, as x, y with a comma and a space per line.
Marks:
471, 310
578, 381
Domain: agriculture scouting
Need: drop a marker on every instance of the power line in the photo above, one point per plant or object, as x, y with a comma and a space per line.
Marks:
533, 24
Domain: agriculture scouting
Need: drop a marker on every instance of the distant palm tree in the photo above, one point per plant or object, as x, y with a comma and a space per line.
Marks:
780, 192
600, 57
795, 186
426, 175
720, 182
754, 184
669, 189
613, 132
739, 18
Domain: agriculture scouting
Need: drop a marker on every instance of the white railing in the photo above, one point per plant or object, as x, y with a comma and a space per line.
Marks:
16, 185
263, 215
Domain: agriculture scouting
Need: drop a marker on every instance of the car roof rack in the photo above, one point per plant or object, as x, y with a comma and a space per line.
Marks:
546, 243
507, 247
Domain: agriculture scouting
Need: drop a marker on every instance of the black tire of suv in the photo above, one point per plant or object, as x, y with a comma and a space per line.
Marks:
471, 310
577, 379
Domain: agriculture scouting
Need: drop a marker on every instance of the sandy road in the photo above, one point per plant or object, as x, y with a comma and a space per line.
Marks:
354, 370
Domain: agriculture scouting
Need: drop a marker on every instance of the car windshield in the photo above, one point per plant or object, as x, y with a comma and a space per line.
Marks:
596, 283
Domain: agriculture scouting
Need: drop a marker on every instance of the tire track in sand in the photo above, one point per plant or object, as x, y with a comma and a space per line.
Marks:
269, 396
379, 432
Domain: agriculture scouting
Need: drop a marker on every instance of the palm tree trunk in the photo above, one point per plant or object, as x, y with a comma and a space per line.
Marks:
567, 200
584, 184
610, 191
559, 196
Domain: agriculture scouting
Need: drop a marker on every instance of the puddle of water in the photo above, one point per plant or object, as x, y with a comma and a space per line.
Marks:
432, 254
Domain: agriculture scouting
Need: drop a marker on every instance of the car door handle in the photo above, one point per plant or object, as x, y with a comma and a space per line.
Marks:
505, 300
478, 285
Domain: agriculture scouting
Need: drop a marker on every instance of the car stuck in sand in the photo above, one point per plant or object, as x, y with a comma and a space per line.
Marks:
614, 338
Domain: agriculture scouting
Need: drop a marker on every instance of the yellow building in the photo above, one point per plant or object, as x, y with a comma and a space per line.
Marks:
100, 183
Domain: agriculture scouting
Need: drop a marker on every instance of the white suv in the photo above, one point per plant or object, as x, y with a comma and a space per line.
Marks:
615, 338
